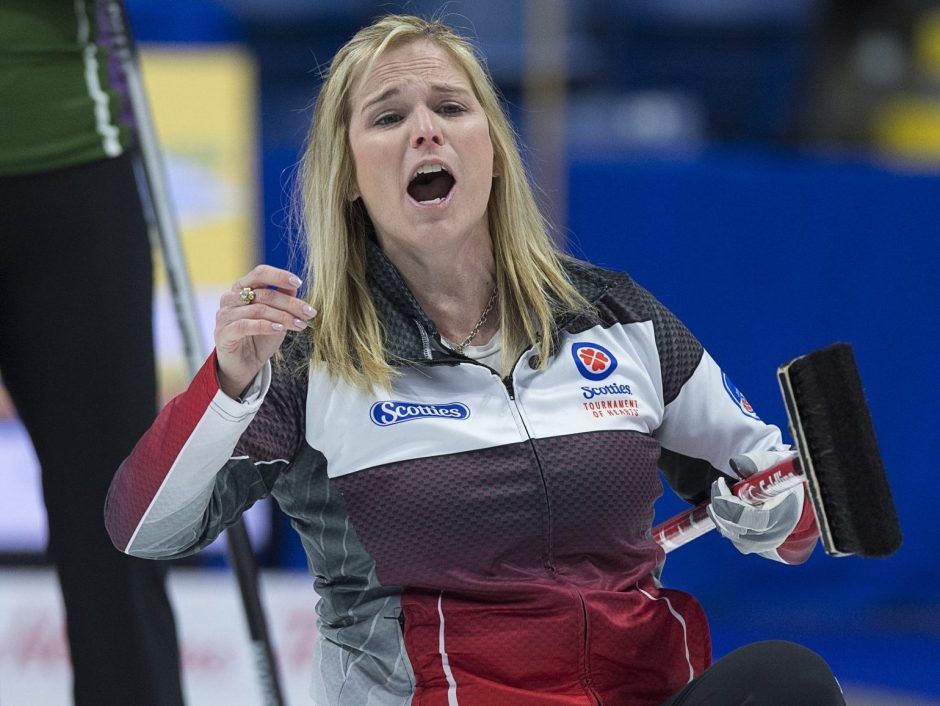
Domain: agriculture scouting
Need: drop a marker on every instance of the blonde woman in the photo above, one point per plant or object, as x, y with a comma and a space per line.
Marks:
467, 434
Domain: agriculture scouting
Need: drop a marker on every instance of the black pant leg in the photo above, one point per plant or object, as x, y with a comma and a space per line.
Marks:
77, 357
772, 673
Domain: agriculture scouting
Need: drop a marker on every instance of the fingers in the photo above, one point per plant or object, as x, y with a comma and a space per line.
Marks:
268, 303
290, 316
720, 487
264, 276
747, 464
274, 308
274, 299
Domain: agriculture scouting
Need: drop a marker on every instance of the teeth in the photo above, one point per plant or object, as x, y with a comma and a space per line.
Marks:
429, 169
433, 201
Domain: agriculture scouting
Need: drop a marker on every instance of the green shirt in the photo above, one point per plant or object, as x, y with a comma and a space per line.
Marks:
62, 101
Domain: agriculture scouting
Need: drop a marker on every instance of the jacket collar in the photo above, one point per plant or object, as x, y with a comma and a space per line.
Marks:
411, 336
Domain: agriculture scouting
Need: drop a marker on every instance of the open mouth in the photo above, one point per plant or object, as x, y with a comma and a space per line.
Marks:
431, 184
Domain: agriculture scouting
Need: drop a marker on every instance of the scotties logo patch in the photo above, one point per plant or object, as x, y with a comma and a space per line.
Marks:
389, 412
594, 362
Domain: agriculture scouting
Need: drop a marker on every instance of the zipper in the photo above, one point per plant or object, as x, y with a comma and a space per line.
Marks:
510, 390
587, 681
508, 385
425, 340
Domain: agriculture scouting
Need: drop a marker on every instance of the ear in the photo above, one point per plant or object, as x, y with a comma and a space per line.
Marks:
352, 193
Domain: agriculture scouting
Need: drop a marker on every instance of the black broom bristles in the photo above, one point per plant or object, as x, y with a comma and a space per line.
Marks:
832, 427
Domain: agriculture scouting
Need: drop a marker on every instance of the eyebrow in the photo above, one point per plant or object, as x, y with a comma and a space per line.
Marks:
444, 88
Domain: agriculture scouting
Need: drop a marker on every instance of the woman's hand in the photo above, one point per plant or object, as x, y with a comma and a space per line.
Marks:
248, 334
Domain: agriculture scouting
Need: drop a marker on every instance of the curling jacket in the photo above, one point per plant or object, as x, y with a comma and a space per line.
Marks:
475, 540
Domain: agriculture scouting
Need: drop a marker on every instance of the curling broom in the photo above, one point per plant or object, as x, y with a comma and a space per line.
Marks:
838, 459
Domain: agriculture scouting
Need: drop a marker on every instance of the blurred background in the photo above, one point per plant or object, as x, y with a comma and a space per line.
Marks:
770, 169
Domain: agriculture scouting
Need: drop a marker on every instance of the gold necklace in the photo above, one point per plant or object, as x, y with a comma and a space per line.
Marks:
476, 329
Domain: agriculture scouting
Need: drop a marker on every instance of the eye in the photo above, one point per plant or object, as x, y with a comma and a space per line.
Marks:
451, 109
387, 119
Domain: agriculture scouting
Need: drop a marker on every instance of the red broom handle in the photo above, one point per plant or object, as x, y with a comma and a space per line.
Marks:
755, 489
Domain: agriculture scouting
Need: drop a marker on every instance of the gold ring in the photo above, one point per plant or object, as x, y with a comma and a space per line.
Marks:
247, 295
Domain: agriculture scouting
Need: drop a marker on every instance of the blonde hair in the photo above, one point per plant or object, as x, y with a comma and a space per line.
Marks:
347, 335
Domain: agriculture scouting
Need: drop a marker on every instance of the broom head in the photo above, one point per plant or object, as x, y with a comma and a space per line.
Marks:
831, 425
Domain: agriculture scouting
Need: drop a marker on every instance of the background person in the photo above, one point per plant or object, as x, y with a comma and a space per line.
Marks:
479, 534
76, 347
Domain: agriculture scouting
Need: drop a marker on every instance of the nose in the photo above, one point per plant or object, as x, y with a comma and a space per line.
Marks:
426, 128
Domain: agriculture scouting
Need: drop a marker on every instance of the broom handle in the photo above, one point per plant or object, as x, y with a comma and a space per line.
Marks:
151, 177
755, 489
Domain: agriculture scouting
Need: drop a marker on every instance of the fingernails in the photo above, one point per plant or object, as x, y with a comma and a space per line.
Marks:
294, 280
300, 324
277, 327
309, 310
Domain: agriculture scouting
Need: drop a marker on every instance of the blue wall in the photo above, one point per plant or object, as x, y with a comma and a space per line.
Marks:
766, 257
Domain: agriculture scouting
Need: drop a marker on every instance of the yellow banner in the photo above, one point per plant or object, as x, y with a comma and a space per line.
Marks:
203, 101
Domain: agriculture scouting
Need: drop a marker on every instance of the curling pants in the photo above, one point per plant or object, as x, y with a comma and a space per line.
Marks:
76, 354
773, 673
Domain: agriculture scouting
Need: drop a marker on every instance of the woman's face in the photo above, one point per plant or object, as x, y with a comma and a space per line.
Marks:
421, 151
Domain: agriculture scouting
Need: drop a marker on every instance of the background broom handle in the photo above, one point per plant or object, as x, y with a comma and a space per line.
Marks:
151, 177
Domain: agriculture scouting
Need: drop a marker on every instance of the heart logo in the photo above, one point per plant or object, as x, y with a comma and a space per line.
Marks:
594, 362
593, 359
